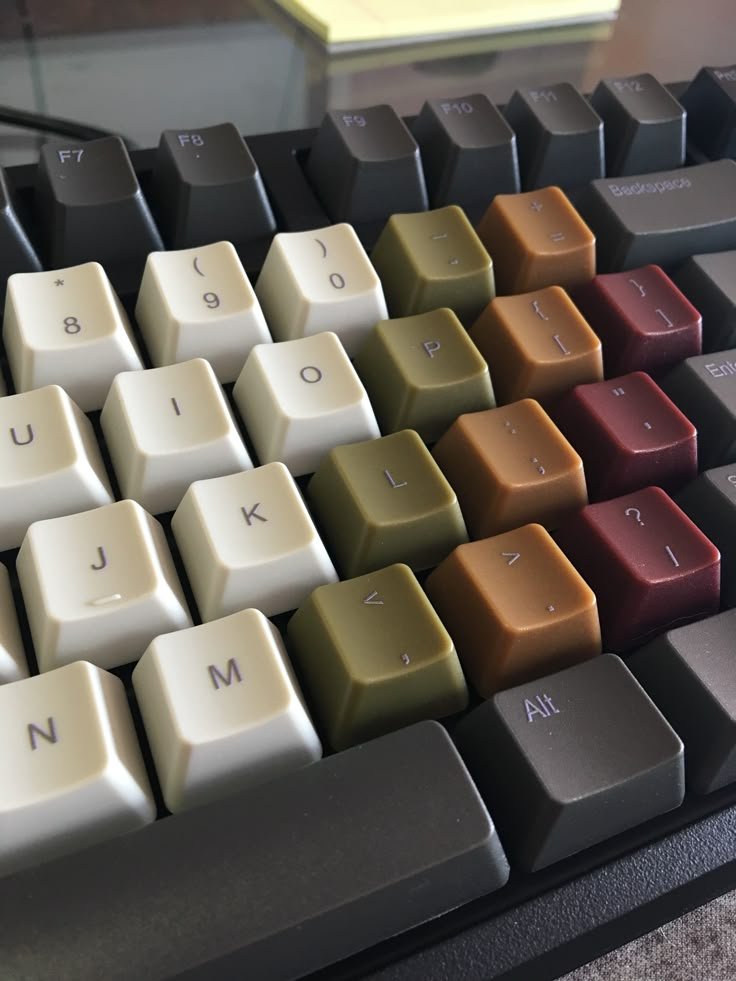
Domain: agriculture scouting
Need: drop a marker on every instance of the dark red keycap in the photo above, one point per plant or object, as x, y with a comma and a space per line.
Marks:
644, 322
629, 435
649, 566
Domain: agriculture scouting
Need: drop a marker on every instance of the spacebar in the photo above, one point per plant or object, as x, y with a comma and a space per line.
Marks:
268, 884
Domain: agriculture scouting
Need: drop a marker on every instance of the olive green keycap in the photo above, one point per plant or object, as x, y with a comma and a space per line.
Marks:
383, 501
373, 656
433, 259
422, 372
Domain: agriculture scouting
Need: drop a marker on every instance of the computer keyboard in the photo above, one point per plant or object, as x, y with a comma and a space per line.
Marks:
367, 507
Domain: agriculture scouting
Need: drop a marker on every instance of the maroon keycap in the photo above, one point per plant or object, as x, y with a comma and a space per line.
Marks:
649, 566
629, 435
644, 322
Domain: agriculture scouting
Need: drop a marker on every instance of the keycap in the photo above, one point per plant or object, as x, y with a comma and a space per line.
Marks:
710, 101
509, 466
644, 126
364, 165
222, 709
98, 586
206, 187
91, 206
50, 463
421, 372
166, 427
649, 566
17, 253
247, 540
320, 280
538, 345
13, 664
709, 282
629, 435
71, 772
515, 608
587, 752
67, 327
559, 135
385, 501
433, 259
536, 240
468, 151
198, 303
300, 398
374, 656
644, 321
662, 218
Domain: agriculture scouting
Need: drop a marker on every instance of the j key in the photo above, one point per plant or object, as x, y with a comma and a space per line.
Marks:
663, 217
468, 151
17, 254
710, 101
644, 321
365, 165
207, 188
709, 281
560, 137
92, 207
13, 665
644, 125
649, 566
587, 753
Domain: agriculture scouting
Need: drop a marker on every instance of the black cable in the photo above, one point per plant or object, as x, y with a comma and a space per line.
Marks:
54, 124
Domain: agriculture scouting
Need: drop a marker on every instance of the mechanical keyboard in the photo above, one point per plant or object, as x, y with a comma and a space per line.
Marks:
368, 517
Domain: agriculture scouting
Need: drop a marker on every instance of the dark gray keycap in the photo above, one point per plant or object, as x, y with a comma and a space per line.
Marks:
468, 152
559, 136
365, 166
17, 254
704, 388
206, 188
709, 282
571, 759
269, 884
662, 218
92, 206
690, 673
710, 100
644, 125
710, 501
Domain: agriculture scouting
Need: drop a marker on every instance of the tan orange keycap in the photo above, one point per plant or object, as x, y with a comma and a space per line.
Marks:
538, 345
509, 466
515, 607
537, 239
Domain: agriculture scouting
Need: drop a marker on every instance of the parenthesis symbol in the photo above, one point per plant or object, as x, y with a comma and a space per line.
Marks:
196, 267
324, 247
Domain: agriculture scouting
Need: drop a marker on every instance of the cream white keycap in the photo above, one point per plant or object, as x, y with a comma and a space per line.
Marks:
13, 665
67, 327
50, 463
222, 709
198, 303
98, 586
320, 280
166, 427
71, 771
300, 398
247, 540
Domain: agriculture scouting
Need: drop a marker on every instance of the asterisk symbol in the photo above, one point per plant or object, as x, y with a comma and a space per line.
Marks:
59, 282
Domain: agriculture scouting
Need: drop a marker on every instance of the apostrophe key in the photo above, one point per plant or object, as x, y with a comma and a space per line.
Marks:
650, 567
644, 321
206, 188
629, 435
385, 501
710, 501
515, 608
710, 101
509, 466
538, 345
364, 165
709, 282
422, 372
374, 656
560, 137
433, 259
587, 752
537, 240
663, 217
468, 151
644, 125
17, 254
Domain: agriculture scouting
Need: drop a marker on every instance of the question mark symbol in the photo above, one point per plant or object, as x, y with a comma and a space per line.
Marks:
637, 515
